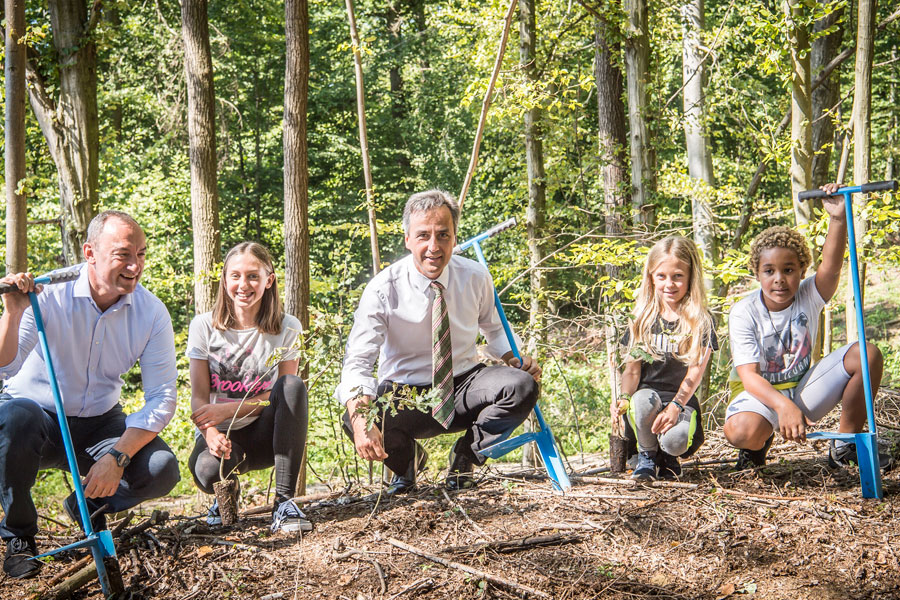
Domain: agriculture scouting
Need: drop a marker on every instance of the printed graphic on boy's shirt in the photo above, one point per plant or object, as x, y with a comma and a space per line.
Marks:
788, 353
234, 373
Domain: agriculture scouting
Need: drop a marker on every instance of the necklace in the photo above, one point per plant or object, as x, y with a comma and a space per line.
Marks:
788, 355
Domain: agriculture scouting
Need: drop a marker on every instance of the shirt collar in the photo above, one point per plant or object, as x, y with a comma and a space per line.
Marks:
421, 283
83, 289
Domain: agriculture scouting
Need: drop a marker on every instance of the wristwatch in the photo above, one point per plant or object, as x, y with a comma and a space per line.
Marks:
122, 459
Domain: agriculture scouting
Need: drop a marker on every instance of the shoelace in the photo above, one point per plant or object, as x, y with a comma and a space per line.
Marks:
18, 545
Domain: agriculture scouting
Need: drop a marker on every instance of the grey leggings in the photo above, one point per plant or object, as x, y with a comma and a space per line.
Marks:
645, 405
277, 437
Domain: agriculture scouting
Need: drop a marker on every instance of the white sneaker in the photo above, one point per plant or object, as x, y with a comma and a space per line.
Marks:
288, 518
213, 516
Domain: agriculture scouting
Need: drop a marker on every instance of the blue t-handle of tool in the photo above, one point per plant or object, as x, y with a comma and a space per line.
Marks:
544, 440
866, 442
100, 543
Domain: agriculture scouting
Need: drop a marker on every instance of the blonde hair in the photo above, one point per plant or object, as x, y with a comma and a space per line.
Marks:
270, 315
695, 324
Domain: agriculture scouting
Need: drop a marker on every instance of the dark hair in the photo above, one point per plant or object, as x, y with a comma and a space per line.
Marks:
270, 315
780, 236
429, 200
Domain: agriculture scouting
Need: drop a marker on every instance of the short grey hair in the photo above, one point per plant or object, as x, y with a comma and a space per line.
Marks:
429, 200
95, 228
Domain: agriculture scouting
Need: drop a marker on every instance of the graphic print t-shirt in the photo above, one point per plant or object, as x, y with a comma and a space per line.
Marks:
665, 375
237, 359
779, 341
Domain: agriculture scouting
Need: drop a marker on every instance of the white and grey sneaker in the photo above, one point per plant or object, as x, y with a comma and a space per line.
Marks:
288, 518
213, 516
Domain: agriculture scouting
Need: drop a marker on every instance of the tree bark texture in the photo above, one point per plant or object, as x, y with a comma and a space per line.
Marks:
364, 139
699, 154
862, 137
14, 150
637, 75
202, 138
296, 170
71, 126
612, 135
537, 188
801, 109
825, 98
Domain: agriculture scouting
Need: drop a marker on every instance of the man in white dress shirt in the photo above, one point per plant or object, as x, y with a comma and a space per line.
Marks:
393, 326
98, 327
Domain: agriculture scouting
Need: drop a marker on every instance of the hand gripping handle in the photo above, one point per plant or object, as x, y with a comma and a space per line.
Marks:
51, 277
875, 186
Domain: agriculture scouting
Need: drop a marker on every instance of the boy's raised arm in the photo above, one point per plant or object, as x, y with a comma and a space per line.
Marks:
828, 274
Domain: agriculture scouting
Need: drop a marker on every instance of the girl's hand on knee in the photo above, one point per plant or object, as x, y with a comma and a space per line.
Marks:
666, 420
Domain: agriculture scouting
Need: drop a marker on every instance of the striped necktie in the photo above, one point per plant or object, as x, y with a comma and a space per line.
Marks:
441, 358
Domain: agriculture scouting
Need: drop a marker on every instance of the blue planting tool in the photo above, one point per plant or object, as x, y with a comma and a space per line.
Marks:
866, 442
100, 543
544, 437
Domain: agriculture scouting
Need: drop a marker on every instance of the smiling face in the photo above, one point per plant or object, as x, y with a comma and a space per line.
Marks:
779, 275
671, 281
246, 281
115, 261
431, 239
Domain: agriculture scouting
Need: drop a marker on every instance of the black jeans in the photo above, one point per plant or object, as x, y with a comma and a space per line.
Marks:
30, 440
490, 402
277, 437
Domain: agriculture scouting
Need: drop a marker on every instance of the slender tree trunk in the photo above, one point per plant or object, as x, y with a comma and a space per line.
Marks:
889, 167
637, 75
825, 98
75, 143
364, 139
862, 135
537, 187
296, 172
202, 136
699, 154
257, 152
801, 110
14, 149
612, 130
825, 101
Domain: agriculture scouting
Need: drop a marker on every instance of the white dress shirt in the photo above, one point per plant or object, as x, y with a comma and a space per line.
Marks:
92, 350
393, 325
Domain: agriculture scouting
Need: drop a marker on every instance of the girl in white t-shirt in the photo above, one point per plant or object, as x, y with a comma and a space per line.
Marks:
774, 386
234, 385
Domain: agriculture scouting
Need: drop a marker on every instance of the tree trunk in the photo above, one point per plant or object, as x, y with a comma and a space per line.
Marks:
825, 98
202, 137
75, 143
699, 155
14, 150
862, 135
364, 139
611, 129
534, 213
825, 103
296, 172
637, 74
801, 110
889, 168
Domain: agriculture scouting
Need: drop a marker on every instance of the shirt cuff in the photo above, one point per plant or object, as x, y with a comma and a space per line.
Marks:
346, 391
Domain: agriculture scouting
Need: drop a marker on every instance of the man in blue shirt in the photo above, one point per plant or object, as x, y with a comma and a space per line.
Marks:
98, 327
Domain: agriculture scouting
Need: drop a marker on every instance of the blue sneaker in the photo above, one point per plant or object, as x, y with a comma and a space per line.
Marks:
213, 516
646, 466
288, 518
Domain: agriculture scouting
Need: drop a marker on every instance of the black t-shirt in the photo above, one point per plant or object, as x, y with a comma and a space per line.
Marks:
665, 375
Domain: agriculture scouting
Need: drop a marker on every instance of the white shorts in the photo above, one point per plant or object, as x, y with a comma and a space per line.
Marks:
818, 392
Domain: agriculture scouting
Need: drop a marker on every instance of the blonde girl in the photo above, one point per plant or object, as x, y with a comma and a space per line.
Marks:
669, 344
233, 386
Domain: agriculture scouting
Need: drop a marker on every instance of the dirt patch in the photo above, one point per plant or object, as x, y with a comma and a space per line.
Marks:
793, 529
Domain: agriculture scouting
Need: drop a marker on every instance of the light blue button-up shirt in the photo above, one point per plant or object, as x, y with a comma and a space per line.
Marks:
92, 349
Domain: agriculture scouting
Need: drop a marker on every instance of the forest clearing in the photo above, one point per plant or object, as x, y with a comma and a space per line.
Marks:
237, 187
794, 530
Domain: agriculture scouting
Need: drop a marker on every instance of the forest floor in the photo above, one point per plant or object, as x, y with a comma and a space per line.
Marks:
793, 529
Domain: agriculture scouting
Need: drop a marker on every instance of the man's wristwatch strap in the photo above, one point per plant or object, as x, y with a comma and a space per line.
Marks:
122, 459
